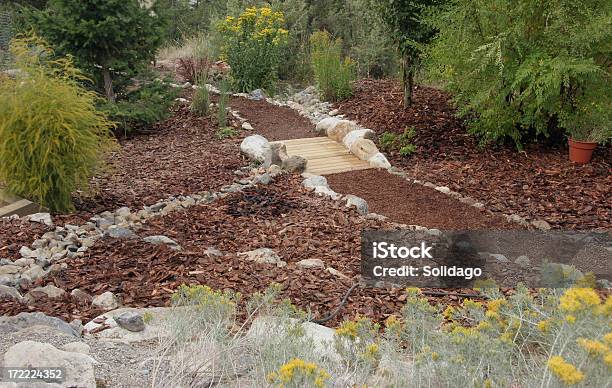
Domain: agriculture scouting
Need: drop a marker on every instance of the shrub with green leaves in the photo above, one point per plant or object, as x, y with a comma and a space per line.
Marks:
253, 44
146, 105
334, 75
527, 68
52, 138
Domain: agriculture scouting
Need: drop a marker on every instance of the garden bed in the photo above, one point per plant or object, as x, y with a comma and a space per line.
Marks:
302, 227
540, 183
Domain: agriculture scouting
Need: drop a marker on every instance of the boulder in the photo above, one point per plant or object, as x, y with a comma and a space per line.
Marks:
359, 203
41, 218
357, 134
326, 124
257, 148
25, 320
364, 149
379, 161
130, 320
79, 370
311, 263
105, 301
76, 347
279, 153
315, 181
33, 273
295, 164
264, 256
160, 239
9, 293
340, 130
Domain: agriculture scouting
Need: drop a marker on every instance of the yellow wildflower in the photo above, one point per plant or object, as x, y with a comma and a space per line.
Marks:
608, 359
565, 371
470, 304
448, 313
576, 299
571, 319
413, 291
593, 347
347, 329
608, 338
298, 369
544, 325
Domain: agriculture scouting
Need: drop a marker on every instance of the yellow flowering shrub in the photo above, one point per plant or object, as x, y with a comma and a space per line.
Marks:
252, 46
565, 371
578, 299
299, 373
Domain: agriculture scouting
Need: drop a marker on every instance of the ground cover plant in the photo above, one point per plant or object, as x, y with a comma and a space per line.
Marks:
52, 136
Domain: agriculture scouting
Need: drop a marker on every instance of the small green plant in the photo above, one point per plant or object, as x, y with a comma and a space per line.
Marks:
148, 104
223, 103
227, 132
52, 138
333, 74
253, 44
201, 98
299, 373
390, 141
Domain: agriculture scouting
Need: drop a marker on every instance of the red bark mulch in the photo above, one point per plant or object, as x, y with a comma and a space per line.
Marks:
273, 122
16, 233
307, 227
540, 183
412, 204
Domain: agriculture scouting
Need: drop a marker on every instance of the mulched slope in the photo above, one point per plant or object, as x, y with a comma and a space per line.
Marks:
273, 122
412, 204
16, 233
180, 156
282, 216
540, 183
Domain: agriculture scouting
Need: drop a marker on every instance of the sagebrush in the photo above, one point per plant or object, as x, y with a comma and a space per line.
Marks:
52, 138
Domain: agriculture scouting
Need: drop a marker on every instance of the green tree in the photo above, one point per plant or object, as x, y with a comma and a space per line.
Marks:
527, 68
107, 37
405, 24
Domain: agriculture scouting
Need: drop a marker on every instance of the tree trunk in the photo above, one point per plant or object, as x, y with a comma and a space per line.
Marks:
108, 84
407, 79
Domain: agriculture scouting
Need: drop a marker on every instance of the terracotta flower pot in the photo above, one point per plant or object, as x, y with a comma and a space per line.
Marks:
581, 151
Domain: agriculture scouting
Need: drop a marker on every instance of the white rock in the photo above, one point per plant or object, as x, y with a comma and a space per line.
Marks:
355, 135
315, 181
541, 224
264, 256
325, 124
335, 272
157, 240
359, 203
9, 292
443, 189
379, 161
41, 218
256, 147
105, 301
34, 273
9, 269
49, 290
311, 263
26, 252
79, 367
334, 112
322, 190
247, 126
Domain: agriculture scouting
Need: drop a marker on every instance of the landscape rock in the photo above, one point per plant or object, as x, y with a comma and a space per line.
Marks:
160, 239
326, 124
9, 269
257, 95
26, 252
443, 189
9, 292
523, 261
50, 291
257, 148
295, 164
335, 272
364, 149
315, 181
247, 126
81, 296
105, 301
213, 252
311, 263
25, 320
155, 325
119, 232
279, 153
275, 170
541, 224
359, 203
379, 161
264, 179
33, 273
41, 218
79, 368
340, 130
130, 320
322, 190
264, 256
357, 134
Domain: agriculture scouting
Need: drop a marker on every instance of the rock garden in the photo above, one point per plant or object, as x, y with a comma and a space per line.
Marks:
193, 208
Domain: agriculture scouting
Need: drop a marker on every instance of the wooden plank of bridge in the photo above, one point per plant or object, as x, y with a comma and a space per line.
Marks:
325, 156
